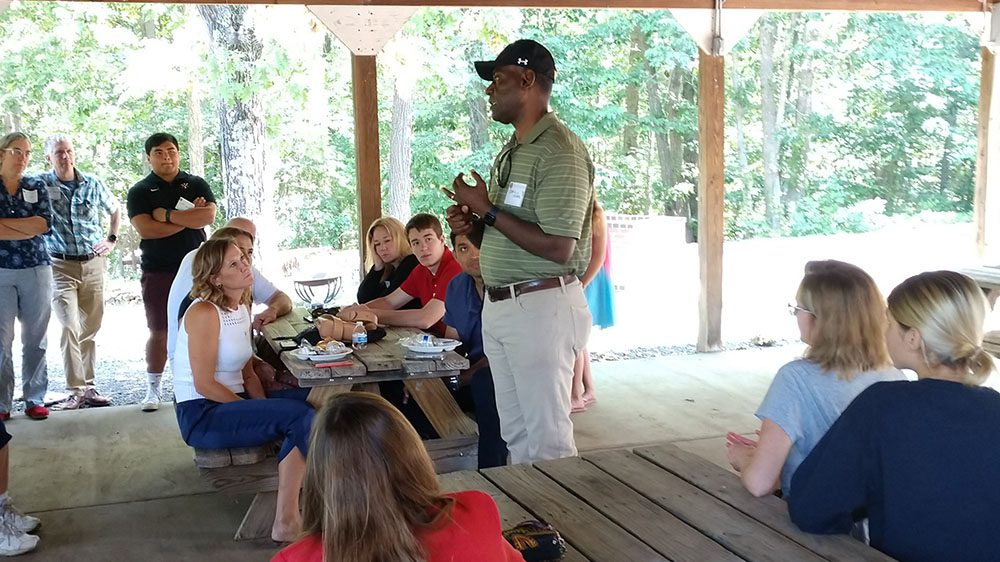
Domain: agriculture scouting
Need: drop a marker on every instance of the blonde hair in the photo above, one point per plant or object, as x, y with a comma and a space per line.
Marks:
207, 263
848, 331
948, 309
369, 483
398, 235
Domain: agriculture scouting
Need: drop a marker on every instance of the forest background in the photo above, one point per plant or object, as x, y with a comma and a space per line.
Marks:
835, 122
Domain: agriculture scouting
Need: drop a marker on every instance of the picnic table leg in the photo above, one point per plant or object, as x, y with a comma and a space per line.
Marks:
367, 387
259, 518
319, 395
440, 407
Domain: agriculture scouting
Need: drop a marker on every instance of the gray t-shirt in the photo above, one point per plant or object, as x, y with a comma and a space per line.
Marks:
804, 400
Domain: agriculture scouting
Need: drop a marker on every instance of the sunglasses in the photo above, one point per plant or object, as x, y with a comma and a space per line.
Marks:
504, 165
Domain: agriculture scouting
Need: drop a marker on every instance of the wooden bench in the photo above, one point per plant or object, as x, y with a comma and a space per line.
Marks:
249, 470
254, 470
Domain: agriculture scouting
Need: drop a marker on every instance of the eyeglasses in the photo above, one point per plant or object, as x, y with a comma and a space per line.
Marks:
504, 165
17, 152
794, 309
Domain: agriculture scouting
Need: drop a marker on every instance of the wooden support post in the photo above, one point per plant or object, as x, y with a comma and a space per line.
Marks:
986, 200
711, 197
369, 175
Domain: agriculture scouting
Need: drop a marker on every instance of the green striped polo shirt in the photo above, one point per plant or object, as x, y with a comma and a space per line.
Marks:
548, 179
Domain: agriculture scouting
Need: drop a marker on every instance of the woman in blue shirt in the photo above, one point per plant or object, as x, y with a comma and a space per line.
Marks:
25, 277
920, 459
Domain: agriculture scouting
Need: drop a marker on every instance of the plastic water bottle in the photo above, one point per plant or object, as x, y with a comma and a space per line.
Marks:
359, 337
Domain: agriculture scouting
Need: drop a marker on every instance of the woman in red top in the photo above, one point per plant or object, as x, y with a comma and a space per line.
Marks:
370, 494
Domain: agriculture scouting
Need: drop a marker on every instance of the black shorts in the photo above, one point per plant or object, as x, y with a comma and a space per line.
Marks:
155, 291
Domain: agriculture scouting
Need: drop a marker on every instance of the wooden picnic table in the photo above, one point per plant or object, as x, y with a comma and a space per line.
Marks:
653, 503
386, 360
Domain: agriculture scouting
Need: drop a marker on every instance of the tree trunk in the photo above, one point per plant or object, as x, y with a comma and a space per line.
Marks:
660, 140
241, 116
630, 136
945, 173
742, 160
769, 118
196, 137
479, 121
401, 151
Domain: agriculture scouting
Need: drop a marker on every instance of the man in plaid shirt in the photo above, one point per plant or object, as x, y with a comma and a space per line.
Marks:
79, 246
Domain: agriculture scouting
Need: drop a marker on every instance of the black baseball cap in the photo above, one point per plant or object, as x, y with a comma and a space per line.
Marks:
524, 53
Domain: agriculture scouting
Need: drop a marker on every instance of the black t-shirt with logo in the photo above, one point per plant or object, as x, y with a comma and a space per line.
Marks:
151, 192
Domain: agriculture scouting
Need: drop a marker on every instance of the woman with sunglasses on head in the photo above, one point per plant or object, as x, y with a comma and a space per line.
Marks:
220, 401
25, 277
841, 318
371, 495
920, 460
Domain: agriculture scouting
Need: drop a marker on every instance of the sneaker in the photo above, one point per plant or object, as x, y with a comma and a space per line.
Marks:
14, 541
37, 412
151, 402
95, 399
74, 402
21, 522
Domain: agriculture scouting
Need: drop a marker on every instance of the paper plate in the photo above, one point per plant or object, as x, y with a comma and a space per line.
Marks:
312, 353
321, 356
437, 345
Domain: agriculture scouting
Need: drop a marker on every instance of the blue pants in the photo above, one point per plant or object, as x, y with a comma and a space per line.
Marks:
26, 296
247, 423
492, 447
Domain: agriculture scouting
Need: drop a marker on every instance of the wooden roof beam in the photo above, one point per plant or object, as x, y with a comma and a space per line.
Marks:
788, 5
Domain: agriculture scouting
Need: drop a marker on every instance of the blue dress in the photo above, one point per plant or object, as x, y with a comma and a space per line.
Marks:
601, 293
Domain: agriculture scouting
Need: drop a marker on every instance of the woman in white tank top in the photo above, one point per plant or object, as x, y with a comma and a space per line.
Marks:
220, 401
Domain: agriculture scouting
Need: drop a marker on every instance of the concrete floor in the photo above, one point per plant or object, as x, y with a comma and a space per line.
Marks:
115, 484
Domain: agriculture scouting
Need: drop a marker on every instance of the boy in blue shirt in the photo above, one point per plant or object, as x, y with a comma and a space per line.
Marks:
463, 321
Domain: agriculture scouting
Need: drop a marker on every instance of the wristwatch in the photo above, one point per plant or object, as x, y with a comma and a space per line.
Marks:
113, 238
166, 216
491, 216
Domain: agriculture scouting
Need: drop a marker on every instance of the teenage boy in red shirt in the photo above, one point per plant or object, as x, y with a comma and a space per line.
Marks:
428, 282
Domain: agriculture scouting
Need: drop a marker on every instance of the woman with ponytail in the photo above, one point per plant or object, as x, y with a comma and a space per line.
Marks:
371, 495
920, 460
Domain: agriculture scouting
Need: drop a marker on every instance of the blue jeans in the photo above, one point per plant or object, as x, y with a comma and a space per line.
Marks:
26, 296
246, 423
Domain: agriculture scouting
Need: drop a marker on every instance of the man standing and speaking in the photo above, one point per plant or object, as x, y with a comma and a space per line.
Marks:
79, 246
537, 209
170, 210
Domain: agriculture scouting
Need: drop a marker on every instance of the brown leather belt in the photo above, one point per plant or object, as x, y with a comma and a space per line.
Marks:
504, 292
84, 257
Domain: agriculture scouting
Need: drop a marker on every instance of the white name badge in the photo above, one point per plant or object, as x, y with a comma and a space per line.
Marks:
55, 194
30, 195
515, 194
183, 204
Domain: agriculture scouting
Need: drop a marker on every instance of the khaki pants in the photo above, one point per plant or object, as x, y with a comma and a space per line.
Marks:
78, 303
532, 342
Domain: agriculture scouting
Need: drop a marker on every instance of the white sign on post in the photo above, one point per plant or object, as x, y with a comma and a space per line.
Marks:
699, 25
363, 30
